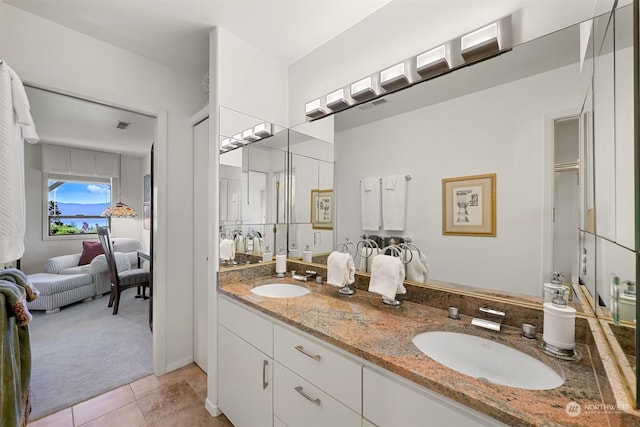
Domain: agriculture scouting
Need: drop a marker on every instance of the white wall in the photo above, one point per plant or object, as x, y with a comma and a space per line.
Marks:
50, 55
249, 81
490, 131
402, 29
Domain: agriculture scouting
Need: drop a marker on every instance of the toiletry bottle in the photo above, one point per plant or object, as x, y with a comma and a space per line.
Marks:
281, 263
293, 251
267, 255
559, 325
306, 254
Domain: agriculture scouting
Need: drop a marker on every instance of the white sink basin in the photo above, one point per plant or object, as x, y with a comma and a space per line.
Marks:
482, 358
280, 290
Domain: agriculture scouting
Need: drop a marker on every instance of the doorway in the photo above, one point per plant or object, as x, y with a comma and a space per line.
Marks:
566, 198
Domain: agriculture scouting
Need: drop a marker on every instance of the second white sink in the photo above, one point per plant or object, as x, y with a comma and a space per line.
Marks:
280, 290
482, 358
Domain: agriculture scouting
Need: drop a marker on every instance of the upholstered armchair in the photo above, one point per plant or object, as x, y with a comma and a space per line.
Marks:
126, 257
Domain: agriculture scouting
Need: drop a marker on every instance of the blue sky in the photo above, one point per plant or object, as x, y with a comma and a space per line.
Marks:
77, 192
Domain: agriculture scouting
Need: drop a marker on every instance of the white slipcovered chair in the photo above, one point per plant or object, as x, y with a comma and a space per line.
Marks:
126, 257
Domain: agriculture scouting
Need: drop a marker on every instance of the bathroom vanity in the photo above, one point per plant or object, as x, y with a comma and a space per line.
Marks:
331, 360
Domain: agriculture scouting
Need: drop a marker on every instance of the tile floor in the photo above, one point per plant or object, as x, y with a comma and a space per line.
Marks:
175, 399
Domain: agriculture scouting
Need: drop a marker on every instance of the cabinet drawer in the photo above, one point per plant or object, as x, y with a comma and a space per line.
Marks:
334, 373
389, 402
299, 403
246, 324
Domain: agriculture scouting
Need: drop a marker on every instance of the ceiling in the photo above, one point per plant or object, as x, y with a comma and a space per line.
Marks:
176, 32
73, 122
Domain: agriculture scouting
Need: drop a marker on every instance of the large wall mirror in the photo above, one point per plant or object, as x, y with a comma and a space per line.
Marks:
270, 187
553, 120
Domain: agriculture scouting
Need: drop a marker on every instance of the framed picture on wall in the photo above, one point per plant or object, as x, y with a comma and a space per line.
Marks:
322, 209
469, 205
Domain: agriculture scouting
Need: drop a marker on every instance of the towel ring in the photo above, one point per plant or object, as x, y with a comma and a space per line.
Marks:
347, 247
366, 247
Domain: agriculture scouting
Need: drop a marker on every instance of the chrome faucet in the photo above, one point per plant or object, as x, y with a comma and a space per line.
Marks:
305, 277
490, 319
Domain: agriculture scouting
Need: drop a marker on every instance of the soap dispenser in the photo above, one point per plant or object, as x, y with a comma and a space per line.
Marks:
559, 327
267, 255
281, 263
306, 255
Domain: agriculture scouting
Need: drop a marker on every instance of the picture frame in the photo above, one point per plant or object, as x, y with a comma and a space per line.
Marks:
322, 209
469, 206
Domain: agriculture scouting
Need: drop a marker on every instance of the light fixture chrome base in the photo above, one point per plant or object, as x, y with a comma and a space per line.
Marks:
346, 290
560, 353
391, 302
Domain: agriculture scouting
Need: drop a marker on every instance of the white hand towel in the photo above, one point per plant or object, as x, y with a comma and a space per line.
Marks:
366, 257
394, 203
370, 203
227, 249
418, 268
340, 269
387, 275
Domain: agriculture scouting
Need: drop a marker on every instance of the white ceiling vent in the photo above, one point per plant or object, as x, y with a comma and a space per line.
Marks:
122, 125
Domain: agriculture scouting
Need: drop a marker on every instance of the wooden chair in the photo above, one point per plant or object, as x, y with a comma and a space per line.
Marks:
132, 278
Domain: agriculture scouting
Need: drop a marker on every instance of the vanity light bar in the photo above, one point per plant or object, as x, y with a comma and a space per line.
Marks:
433, 61
363, 89
314, 109
394, 77
263, 130
336, 100
479, 44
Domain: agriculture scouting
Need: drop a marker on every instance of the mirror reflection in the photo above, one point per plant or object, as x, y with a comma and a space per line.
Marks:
269, 188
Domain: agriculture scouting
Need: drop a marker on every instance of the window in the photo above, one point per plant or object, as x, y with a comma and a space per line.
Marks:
74, 204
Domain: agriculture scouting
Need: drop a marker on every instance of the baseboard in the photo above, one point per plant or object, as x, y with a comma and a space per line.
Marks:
179, 363
211, 408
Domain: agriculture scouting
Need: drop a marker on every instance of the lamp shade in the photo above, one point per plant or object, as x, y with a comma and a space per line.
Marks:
119, 210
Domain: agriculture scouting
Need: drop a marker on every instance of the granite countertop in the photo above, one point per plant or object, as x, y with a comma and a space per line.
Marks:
364, 327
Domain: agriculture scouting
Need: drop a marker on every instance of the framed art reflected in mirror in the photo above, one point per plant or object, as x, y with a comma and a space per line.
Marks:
469, 205
322, 209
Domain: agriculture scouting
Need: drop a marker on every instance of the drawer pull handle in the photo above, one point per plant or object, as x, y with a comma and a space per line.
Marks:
265, 383
306, 396
306, 353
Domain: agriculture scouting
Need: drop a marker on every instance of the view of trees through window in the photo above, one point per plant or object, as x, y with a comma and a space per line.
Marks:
75, 204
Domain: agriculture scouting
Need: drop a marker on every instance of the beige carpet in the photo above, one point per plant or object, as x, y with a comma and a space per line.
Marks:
83, 351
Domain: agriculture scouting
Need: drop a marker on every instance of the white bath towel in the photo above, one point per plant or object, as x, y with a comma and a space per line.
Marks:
227, 249
16, 128
418, 268
366, 257
340, 269
387, 275
394, 203
370, 203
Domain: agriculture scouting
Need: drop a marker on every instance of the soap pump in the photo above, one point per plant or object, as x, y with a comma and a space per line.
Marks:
281, 263
306, 255
559, 327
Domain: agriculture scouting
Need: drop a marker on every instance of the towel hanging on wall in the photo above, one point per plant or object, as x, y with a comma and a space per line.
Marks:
16, 127
394, 202
370, 203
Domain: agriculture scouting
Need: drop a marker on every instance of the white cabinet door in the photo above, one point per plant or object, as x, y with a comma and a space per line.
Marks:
244, 382
297, 402
390, 402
